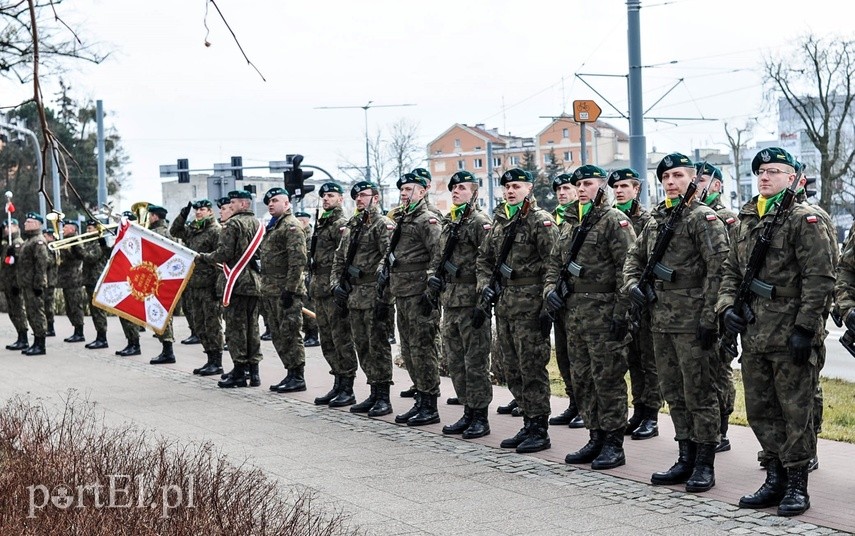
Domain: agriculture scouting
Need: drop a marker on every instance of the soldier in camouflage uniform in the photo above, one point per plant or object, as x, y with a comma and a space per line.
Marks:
32, 262
200, 296
641, 360
131, 330
709, 181
96, 253
523, 326
283, 259
70, 279
241, 314
157, 224
50, 291
419, 235
467, 347
9, 284
336, 341
368, 331
684, 323
310, 324
595, 316
780, 347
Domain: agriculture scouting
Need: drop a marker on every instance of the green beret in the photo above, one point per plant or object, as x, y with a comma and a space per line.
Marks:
273, 192
360, 186
71, 222
708, 169
48, 231
461, 177
673, 160
773, 155
157, 210
588, 171
35, 216
93, 223
564, 178
129, 215
202, 203
13, 221
240, 194
328, 187
302, 215
423, 173
222, 201
622, 175
515, 175
411, 178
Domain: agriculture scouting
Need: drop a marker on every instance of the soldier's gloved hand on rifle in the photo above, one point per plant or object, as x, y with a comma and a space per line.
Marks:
434, 283
286, 299
706, 336
381, 311
340, 294
800, 345
488, 294
637, 297
553, 301
185, 211
545, 324
733, 322
619, 328
382, 278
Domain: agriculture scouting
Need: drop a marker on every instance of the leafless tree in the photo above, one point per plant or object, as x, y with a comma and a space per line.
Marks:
738, 138
403, 149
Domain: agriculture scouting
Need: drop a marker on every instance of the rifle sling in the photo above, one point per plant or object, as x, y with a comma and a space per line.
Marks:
680, 284
467, 279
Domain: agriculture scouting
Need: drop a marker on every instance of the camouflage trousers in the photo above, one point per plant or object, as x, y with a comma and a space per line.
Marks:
206, 313
131, 331
599, 370
779, 402
50, 303
285, 325
562, 358
641, 360
525, 355
336, 341
818, 399
418, 343
242, 334
167, 335
188, 310
35, 306
75, 299
99, 316
723, 379
371, 338
468, 352
310, 325
17, 314
686, 379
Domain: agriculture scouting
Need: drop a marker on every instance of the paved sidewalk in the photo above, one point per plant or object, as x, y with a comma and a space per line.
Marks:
392, 479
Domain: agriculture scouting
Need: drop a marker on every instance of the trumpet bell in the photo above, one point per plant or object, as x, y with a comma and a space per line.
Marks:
140, 210
55, 217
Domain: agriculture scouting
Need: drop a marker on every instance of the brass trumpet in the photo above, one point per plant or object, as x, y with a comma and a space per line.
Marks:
140, 210
55, 217
81, 238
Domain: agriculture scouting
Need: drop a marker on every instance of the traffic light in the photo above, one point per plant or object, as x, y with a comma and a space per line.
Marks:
294, 178
183, 170
237, 167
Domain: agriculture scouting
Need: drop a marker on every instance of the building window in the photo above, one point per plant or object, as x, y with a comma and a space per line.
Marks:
439, 166
457, 143
478, 163
477, 147
568, 156
461, 164
565, 133
514, 160
547, 159
497, 162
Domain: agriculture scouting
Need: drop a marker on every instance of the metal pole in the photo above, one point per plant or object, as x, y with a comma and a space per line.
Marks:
491, 200
583, 135
54, 175
637, 142
39, 164
102, 166
367, 153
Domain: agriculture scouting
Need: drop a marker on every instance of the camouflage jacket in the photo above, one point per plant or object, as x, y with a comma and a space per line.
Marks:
799, 263
95, 256
373, 243
283, 257
638, 216
33, 261
53, 268
532, 246
235, 237
595, 300
160, 227
461, 291
201, 236
9, 272
727, 216
328, 231
695, 253
415, 251
70, 271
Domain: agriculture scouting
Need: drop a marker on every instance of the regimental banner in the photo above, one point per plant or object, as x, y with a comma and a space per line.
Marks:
144, 278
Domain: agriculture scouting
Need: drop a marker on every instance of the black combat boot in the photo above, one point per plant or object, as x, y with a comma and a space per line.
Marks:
589, 452
612, 454
311, 339
244, 371
649, 426
38, 347
538, 435
50, 331
214, 366
296, 383
680, 471
427, 413
404, 417
345, 397
508, 408
772, 490
461, 424
284, 381
480, 425
724, 444
703, 477
565, 417
409, 393
452, 401
77, 336
21, 344
129, 350
382, 406
166, 355
796, 500
517, 412
366, 404
638, 415
519, 438
206, 365
325, 399
99, 343
266, 336
192, 339
577, 422
237, 378
255, 377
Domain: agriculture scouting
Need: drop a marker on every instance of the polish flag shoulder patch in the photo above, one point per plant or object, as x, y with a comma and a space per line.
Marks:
624, 223
341, 229
730, 221
711, 217
390, 226
433, 221
811, 219
487, 226
547, 223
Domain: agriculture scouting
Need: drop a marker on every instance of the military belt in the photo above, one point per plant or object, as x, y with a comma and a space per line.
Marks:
467, 279
524, 281
594, 288
364, 280
692, 282
409, 267
323, 271
788, 292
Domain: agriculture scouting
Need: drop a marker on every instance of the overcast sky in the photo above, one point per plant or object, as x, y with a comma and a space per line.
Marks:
499, 62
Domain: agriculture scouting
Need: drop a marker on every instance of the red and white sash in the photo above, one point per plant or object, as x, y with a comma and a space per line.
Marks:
232, 274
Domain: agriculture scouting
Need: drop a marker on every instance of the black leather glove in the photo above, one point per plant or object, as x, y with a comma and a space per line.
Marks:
733, 322
340, 294
553, 301
383, 278
619, 328
435, 284
706, 337
15, 291
637, 297
185, 211
545, 324
381, 311
800, 345
38, 291
286, 299
488, 295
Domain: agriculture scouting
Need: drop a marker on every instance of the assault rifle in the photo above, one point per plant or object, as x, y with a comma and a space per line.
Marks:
349, 271
654, 267
313, 245
484, 308
385, 271
564, 286
447, 267
750, 284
